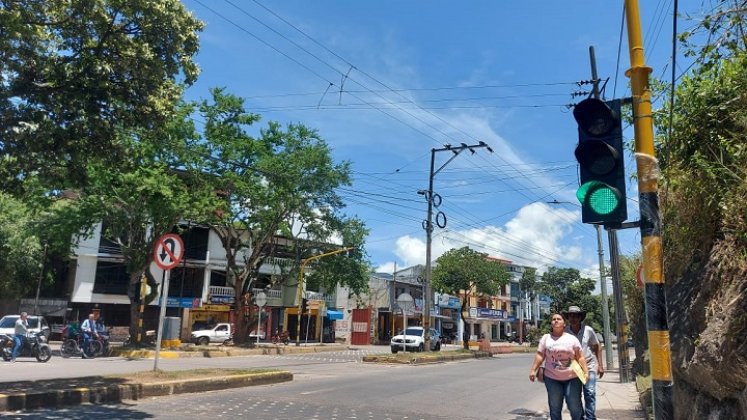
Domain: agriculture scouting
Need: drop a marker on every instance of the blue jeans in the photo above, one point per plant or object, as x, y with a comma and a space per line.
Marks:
570, 391
590, 396
18, 342
86, 344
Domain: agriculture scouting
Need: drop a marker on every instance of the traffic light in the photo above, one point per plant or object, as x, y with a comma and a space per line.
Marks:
600, 157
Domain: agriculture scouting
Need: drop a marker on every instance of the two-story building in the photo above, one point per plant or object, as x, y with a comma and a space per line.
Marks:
199, 292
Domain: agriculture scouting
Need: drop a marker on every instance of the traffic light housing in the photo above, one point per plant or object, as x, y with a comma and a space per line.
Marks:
601, 160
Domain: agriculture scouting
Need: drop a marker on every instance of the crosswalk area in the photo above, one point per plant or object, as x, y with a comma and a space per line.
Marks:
343, 356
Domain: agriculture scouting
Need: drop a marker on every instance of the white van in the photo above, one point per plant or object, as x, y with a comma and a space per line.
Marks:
36, 324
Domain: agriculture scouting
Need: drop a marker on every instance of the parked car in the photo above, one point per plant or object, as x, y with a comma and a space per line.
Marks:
218, 334
37, 324
414, 340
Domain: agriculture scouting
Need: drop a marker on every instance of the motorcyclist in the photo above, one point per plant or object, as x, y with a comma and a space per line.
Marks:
21, 329
89, 332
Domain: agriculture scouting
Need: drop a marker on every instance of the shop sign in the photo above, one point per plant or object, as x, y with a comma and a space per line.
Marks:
175, 302
215, 308
490, 313
221, 299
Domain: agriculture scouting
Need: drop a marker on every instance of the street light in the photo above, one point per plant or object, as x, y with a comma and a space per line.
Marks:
300, 286
261, 300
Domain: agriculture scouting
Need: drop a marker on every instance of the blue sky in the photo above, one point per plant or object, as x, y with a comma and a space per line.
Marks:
386, 81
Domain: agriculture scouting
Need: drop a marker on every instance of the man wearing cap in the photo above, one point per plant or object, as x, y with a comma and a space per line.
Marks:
592, 351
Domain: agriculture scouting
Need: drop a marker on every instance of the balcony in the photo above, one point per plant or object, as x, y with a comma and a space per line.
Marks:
226, 295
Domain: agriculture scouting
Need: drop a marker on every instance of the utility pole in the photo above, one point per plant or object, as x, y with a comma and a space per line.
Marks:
600, 248
620, 318
428, 226
39, 282
657, 325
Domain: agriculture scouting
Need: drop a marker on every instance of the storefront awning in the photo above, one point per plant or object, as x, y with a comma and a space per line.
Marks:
334, 315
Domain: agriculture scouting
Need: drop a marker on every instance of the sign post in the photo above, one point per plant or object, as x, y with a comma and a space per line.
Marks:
405, 302
260, 299
167, 254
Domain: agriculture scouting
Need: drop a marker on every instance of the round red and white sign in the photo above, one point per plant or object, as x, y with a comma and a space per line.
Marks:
169, 251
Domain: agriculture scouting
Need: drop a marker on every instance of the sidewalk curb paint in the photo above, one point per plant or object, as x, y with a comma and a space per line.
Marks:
135, 391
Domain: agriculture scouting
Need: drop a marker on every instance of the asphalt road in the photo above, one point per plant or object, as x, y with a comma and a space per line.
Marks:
325, 386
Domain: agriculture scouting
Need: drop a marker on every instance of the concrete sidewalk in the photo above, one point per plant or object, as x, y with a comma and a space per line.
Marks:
617, 401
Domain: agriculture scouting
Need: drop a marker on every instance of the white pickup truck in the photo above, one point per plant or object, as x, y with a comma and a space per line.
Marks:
218, 334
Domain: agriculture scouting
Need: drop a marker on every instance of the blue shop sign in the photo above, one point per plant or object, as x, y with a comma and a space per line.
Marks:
175, 302
491, 313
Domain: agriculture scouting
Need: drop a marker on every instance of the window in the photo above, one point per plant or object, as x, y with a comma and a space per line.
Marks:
107, 246
186, 281
111, 278
218, 278
195, 240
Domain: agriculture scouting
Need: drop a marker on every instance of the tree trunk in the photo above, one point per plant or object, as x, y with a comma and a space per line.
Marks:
242, 311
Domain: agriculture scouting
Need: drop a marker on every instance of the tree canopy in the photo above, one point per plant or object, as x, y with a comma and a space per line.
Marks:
76, 73
566, 287
465, 272
269, 185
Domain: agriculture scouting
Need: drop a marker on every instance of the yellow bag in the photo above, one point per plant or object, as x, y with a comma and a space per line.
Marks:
576, 368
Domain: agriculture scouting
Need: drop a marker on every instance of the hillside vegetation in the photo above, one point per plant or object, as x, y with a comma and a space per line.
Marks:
703, 197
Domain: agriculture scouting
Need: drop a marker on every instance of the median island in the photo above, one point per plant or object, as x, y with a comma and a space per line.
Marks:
131, 386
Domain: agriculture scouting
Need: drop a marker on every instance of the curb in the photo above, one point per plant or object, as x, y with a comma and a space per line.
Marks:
224, 352
135, 391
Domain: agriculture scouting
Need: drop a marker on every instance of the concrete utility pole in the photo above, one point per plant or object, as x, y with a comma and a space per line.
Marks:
648, 187
428, 226
600, 248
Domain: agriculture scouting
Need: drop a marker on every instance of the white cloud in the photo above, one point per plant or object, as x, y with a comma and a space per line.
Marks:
533, 237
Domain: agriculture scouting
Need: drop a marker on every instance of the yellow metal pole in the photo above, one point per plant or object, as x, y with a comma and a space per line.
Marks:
653, 273
299, 290
141, 309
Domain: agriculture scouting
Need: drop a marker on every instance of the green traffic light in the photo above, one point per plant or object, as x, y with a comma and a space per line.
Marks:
599, 197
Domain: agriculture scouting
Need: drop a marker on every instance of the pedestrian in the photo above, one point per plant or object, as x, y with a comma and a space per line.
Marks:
89, 331
21, 329
559, 350
592, 353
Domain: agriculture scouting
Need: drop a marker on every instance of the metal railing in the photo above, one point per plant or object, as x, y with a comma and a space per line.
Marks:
221, 291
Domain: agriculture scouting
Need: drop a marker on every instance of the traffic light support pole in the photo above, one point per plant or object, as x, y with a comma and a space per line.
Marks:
653, 272
299, 292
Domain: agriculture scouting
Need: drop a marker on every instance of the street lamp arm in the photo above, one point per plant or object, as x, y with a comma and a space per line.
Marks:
300, 286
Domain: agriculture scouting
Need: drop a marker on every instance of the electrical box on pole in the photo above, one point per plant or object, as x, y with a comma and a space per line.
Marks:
601, 160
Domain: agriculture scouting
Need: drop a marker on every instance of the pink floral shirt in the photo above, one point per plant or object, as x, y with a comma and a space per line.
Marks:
559, 351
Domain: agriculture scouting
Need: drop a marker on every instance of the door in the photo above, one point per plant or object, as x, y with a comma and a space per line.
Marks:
361, 327
221, 333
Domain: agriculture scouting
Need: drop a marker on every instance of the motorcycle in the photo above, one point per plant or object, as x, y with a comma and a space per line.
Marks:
35, 345
280, 337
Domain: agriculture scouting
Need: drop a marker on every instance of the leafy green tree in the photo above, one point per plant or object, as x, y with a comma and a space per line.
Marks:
466, 273
21, 251
566, 287
77, 73
137, 200
261, 186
